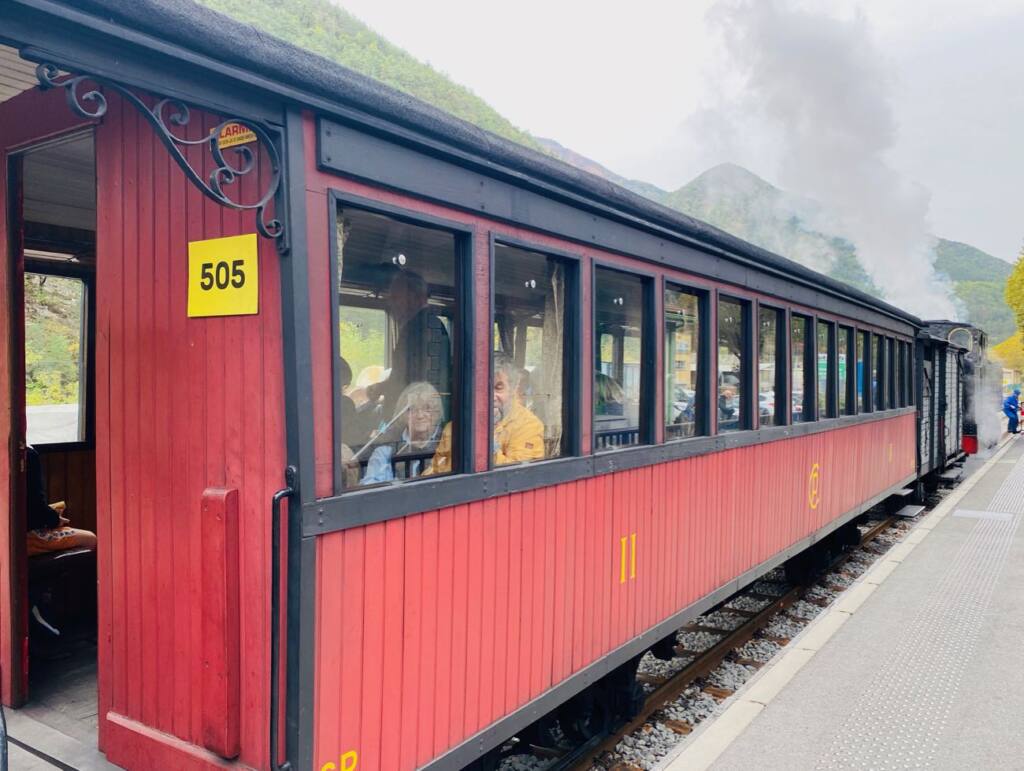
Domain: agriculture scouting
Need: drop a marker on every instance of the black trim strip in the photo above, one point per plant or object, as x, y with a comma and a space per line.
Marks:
299, 430
477, 745
363, 507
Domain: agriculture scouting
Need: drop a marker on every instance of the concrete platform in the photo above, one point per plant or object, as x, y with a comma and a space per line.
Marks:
918, 665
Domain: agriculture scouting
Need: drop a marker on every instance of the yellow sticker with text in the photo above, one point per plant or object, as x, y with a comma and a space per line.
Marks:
223, 277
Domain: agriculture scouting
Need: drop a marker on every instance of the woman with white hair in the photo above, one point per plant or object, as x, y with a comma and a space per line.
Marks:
418, 416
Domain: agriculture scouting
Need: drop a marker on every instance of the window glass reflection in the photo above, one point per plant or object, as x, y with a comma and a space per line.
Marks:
877, 368
730, 365
529, 356
825, 368
396, 319
798, 368
768, 369
863, 370
682, 361
846, 368
618, 372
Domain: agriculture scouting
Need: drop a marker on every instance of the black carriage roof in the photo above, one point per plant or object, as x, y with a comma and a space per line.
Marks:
196, 28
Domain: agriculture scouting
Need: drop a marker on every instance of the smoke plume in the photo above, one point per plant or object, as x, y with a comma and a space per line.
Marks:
818, 86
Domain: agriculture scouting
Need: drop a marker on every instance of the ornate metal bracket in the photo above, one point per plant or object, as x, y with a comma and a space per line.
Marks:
92, 104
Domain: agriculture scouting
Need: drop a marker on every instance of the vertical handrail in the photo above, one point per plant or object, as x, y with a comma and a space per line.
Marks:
275, 618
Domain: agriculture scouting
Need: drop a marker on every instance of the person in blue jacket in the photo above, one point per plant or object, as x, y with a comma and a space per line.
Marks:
1011, 409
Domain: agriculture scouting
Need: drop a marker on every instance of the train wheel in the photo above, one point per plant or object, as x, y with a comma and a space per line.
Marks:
665, 649
586, 716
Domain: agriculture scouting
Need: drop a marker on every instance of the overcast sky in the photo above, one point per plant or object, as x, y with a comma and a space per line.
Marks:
632, 86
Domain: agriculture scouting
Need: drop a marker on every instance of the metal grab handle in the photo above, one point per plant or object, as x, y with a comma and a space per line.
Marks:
275, 617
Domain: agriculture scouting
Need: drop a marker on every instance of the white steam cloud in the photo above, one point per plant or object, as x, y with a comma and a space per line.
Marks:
818, 86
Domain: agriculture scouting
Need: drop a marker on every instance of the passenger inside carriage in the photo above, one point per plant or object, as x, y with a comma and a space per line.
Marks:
397, 319
405, 448
48, 528
518, 433
422, 350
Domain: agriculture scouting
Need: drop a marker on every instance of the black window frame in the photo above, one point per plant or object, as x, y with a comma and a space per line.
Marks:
702, 414
649, 378
748, 382
571, 369
86, 353
782, 364
463, 354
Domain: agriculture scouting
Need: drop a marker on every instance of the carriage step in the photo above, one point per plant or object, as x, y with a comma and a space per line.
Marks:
909, 511
904, 492
950, 477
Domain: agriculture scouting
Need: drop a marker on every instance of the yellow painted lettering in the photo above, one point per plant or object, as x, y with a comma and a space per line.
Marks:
632, 556
622, 560
349, 761
813, 491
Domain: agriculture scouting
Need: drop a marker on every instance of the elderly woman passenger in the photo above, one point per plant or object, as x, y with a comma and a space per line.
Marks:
418, 417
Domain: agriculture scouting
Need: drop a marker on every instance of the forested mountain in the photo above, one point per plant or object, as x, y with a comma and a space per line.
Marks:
326, 29
736, 200
727, 196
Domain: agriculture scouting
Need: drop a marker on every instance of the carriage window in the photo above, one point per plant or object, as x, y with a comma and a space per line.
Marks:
732, 394
683, 382
900, 368
908, 375
619, 316
770, 365
877, 372
863, 370
891, 368
529, 396
825, 370
55, 355
801, 382
397, 342
843, 338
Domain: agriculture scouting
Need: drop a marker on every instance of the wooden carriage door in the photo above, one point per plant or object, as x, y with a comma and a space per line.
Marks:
190, 443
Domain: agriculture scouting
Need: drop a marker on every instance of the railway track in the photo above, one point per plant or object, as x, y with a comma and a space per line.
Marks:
600, 751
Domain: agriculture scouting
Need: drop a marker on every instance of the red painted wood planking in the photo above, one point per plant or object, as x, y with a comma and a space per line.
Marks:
221, 659
563, 603
183, 405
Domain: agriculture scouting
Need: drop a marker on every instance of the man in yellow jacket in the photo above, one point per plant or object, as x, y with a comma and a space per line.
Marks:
518, 433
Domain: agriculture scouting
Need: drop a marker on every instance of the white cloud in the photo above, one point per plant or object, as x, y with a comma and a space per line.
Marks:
629, 85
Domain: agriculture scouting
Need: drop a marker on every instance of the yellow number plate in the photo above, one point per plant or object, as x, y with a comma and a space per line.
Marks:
223, 277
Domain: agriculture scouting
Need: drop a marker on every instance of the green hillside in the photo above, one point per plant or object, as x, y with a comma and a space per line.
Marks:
324, 28
962, 262
738, 201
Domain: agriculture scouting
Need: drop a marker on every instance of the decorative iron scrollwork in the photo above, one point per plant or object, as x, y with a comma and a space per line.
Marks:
168, 113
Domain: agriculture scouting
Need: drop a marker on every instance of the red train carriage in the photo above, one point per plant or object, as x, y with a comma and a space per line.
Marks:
396, 436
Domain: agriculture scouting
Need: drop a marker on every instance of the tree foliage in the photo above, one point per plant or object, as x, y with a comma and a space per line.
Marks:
1010, 353
986, 307
53, 319
1014, 293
